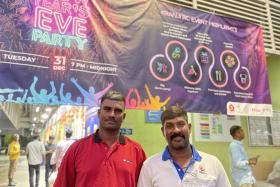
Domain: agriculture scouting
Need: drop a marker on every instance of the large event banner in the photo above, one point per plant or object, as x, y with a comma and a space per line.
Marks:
157, 54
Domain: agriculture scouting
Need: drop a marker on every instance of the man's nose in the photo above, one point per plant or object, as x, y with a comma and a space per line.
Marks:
112, 113
176, 128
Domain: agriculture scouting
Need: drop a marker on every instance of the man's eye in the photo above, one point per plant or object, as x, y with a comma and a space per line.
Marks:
107, 108
181, 125
118, 111
169, 126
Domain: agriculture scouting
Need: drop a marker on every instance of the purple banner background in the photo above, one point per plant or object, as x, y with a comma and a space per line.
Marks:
155, 53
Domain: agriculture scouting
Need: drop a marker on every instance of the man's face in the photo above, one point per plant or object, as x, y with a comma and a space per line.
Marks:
17, 138
51, 141
241, 134
111, 114
177, 132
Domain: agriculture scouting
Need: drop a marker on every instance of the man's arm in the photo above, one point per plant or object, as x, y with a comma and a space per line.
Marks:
9, 147
222, 180
43, 151
145, 178
13, 150
237, 157
56, 155
140, 160
27, 151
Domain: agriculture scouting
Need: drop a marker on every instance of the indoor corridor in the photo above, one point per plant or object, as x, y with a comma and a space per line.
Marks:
21, 174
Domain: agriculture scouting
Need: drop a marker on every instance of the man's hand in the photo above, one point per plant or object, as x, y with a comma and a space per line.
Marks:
253, 160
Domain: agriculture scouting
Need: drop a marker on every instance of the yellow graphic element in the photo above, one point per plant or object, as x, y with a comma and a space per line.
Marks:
153, 103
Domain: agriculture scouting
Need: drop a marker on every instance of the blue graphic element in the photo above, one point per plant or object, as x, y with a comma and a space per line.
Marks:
8, 90
23, 98
2, 98
65, 98
90, 97
43, 96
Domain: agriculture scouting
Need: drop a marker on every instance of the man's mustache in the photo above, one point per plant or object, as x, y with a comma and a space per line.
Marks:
177, 135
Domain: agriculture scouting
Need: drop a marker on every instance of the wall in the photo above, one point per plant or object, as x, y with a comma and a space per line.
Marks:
149, 135
274, 77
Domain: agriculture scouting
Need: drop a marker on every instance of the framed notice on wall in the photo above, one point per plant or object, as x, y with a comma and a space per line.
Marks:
214, 127
264, 131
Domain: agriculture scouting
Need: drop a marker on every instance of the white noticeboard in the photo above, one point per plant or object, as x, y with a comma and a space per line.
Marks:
214, 127
264, 131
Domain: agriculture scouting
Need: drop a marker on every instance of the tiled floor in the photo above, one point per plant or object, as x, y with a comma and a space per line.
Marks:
21, 175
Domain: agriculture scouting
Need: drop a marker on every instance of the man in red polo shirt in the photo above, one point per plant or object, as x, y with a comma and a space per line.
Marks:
106, 158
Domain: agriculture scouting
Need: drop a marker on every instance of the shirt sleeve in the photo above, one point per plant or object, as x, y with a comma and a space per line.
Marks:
223, 180
13, 149
237, 158
66, 176
56, 155
141, 159
27, 150
145, 178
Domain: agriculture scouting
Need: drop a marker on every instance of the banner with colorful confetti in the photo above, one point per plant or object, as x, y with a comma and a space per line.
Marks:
157, 54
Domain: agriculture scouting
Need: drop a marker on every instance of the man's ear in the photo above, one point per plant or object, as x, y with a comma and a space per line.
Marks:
163, 131
98, 112
124, 115
190, 127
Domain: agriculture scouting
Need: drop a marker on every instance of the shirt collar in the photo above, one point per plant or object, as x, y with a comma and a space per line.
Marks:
167, 156
97, 138
237, 141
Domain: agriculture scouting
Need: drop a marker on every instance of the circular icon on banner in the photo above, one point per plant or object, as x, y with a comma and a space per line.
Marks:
191, 73
218, 75
204, 55
242, 78
229, 59
176, 51
161, 68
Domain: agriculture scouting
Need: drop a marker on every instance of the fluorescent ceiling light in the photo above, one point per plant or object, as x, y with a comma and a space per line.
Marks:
48, 109
37, 109
44, 116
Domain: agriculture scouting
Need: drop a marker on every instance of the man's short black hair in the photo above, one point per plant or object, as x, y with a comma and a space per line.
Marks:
51, 137
36, 134
68, 132
234, 129
173, 112
113, 95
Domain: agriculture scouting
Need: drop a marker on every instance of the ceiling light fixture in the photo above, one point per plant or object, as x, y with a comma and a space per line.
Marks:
37, 109
44, 116
48, 109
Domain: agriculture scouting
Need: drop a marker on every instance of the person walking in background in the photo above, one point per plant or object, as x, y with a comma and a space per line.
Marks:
59, 153
240, 164
14, 153
106, 158
180, 164
61, 148
50, 148
35, 152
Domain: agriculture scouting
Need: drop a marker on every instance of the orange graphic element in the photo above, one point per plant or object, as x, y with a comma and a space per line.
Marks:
154, 101
134, 101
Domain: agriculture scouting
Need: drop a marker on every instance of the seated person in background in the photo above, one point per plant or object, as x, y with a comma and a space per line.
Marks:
274, 176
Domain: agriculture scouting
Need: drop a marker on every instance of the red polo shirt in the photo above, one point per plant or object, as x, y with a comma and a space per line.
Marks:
89, 162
